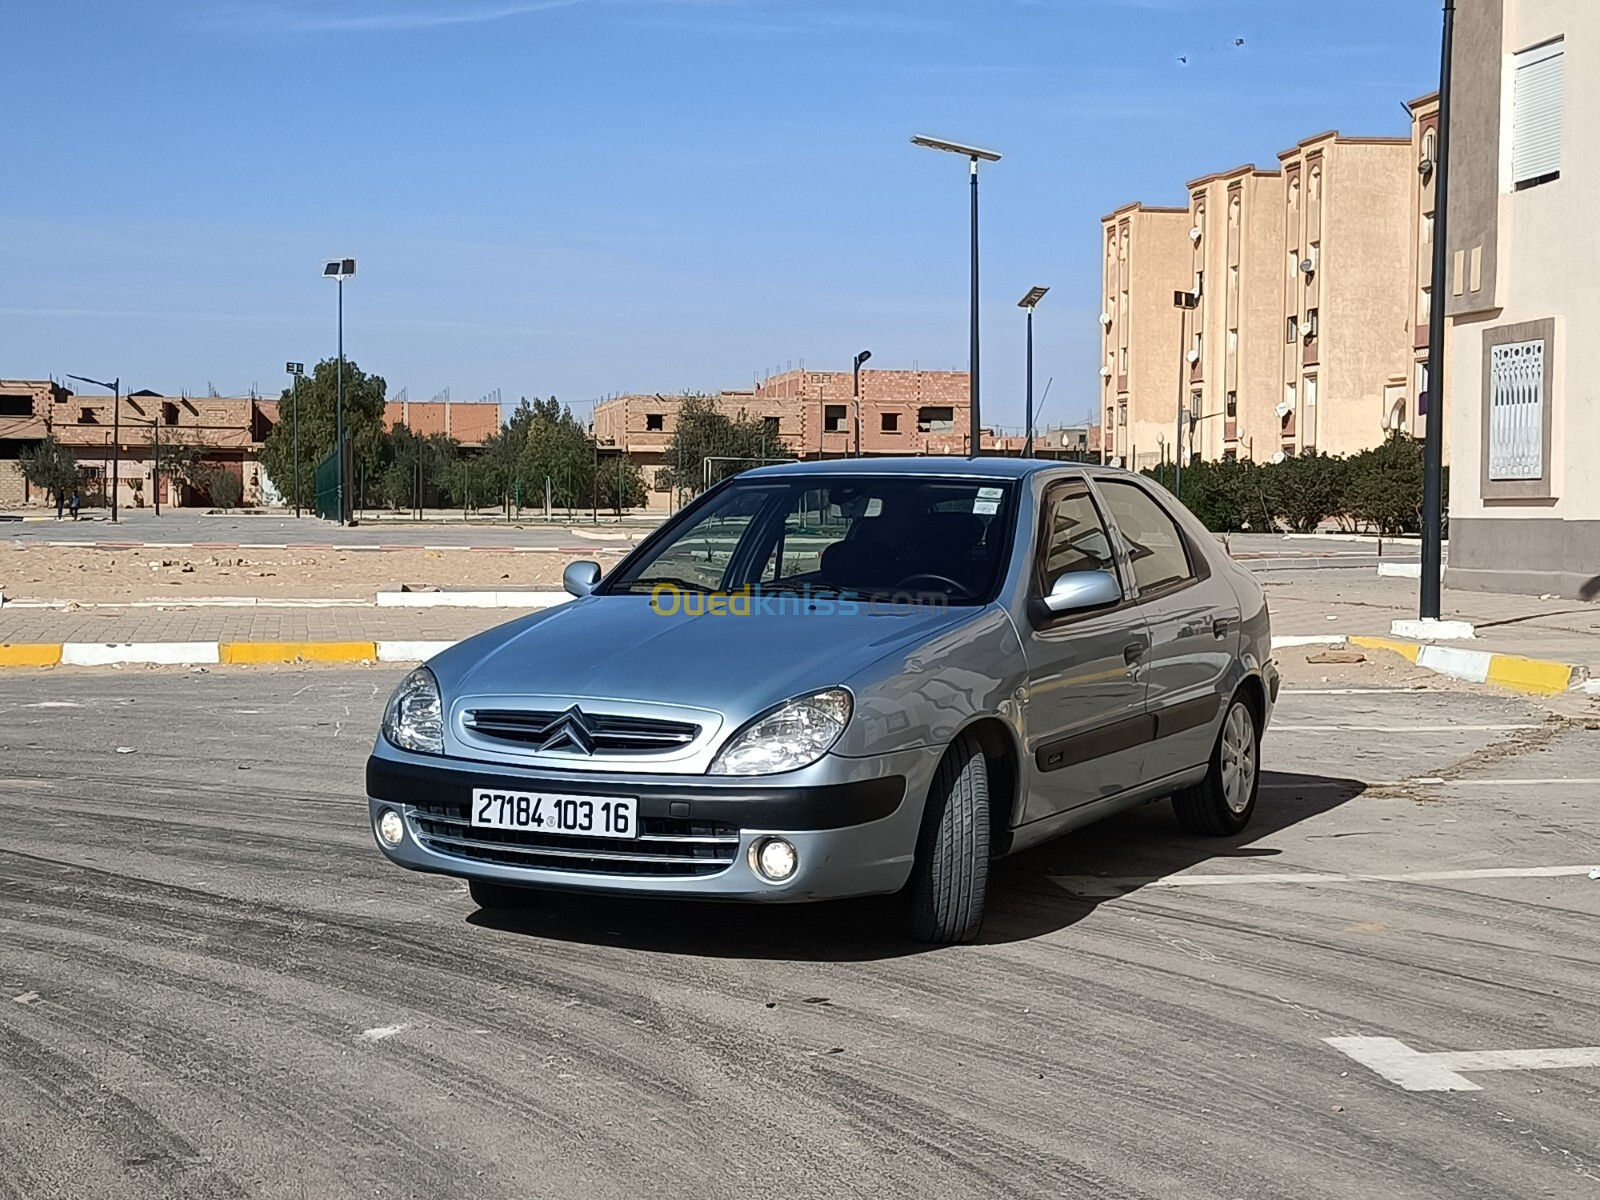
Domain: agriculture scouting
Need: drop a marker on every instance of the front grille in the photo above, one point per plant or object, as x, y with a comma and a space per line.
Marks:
612, 734
665, 845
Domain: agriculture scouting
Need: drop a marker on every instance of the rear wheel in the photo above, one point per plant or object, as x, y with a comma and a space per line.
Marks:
488, 894
951, 874
1222, 802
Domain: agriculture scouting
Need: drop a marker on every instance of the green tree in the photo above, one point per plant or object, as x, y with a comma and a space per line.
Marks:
51, 466
729, 443
1305, 490
1385, 488
621, 484
558, 449
498, 467
363, 424
182, 465
225, 488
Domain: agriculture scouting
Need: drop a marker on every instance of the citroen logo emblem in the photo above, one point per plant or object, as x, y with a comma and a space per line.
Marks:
569, 730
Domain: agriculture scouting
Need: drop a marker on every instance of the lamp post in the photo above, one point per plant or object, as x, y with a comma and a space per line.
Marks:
855, 392
973, 154
1433, 444
1030, 302
1183, 302
116, 429
295, 370
339, 269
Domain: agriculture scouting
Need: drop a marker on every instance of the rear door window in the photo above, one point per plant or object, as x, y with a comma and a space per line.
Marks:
1155, 546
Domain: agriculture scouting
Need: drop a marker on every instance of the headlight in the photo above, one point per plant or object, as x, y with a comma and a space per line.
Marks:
414, 719
788, 738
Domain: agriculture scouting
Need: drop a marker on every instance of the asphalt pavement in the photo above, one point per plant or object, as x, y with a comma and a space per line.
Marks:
212, 985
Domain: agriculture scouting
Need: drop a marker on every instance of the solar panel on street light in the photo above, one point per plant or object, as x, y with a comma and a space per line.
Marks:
934, 143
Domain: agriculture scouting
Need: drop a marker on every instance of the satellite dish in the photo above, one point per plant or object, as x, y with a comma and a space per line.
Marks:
1116, 462
1194, 234
1193, 356
1307, 266
1105, 319
1279, 456
1105, 372
1284, 409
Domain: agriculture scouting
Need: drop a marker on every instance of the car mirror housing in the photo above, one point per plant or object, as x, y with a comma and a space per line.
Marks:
1077, 591
580, 578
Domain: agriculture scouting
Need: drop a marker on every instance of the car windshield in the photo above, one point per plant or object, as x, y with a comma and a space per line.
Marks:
871, 536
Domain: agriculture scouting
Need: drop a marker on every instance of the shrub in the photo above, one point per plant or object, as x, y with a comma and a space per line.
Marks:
1304, 491
1385, 487
225, 488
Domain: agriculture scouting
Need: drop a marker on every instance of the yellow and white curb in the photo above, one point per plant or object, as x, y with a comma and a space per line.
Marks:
104, 654
1533, 676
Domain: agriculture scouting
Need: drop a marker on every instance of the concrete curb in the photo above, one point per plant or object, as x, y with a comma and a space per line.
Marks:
1531, 676
512, 599
103, 654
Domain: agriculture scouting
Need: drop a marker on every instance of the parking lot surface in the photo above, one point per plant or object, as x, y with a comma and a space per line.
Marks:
211, 984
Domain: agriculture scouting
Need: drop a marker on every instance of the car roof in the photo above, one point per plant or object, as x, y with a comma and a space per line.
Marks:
945, 465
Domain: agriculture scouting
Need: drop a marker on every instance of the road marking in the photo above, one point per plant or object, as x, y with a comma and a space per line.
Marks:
1440, 1072
1353, 691
1116, 885
415, 651
380, 1032
26, 654
101, 654
271, 652
1403, 728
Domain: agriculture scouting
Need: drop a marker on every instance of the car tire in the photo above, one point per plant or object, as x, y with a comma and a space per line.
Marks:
1222, 802
951, 873
497, 896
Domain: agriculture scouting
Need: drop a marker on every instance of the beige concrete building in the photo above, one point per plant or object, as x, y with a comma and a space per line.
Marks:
1346, 289
1522, 242
1410, 413
1236, 231
1148, 257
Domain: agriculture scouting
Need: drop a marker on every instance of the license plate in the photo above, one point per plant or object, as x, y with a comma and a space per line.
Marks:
544, 812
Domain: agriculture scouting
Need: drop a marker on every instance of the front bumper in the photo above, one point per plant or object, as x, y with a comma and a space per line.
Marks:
853, 822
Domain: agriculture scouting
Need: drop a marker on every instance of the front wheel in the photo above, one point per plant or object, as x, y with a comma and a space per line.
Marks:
1221, 803
951, 874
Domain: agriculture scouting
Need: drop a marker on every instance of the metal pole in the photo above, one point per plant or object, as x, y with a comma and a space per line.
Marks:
1433, 444
338, 410
976, 445
1183, 362
1027, 435
294, 405
155, 433
116, 444
855, 393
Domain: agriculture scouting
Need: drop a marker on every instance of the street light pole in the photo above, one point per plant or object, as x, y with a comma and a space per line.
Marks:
855, 392
155, 461
116, 432
1030, 302
1183, 301
295, 371
1433, 443
973, 154
339, 270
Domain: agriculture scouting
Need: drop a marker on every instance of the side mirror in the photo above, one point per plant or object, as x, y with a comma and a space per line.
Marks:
1079, 590
580, 578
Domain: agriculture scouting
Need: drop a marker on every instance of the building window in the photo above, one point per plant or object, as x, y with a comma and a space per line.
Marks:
1427, 229
655, 422
769, 426
1315, 187
1199, 283
1292, 328
16, 406
1536, 87
890, 422
1294, 263
1232, 409
1311, 324
1233, 341
1428, 144
1424, 305
1516, 410
1124, 360
1230, 456
936, 419
169, 413
86, 416
1122, 414
1311, 390
833, 418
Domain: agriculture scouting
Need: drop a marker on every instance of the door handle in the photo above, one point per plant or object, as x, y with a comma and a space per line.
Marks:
1220, 627
1132, 653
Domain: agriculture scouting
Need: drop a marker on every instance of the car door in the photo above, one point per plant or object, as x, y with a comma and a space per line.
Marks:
1193, 618
1084, 716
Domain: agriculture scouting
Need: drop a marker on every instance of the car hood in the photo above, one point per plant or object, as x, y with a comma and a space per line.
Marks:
619, 648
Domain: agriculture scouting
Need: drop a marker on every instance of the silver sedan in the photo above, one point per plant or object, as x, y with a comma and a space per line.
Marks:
841, 679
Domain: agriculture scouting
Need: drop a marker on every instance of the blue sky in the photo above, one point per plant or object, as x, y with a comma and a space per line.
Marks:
579, 197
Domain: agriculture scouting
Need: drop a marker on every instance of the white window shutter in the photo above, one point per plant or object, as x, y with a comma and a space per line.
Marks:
1516, 410
1536, 112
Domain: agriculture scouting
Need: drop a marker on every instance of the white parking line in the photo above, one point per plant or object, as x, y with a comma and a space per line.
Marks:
1115, 885
1402, 728
1419, 1072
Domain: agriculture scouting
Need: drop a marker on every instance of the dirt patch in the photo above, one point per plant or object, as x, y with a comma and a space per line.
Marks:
93, 576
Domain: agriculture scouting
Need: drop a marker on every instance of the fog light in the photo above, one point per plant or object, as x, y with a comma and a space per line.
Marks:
774, 859
391, 829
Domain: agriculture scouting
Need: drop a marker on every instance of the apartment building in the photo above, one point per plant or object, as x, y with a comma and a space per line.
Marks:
1521, 243
1347, 258
1411, 413
1143, 372
812, 414
1237, 237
